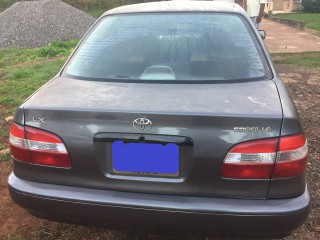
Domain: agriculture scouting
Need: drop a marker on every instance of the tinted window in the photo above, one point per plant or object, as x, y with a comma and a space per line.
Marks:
184, 46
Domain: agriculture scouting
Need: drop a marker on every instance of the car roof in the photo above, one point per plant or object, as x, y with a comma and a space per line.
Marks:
178, 6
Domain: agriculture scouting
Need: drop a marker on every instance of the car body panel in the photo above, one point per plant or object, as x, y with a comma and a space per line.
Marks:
257, 98
169, 213
206, 113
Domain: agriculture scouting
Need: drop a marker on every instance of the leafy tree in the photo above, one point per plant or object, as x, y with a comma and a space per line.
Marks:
311, 6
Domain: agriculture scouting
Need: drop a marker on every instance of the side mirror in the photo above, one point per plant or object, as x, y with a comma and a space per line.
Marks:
262, 34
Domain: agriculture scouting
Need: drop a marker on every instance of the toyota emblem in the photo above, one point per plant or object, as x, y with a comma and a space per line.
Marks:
143, 124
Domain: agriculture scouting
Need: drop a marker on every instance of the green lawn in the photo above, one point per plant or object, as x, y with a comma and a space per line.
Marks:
6, 3
306, 59
312, 19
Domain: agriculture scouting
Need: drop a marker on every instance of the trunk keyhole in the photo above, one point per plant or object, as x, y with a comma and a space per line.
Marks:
142, 139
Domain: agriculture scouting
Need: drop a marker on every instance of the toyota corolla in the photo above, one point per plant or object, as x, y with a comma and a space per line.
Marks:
167, 115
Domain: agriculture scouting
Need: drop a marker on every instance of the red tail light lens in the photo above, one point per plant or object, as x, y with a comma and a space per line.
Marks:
251, 160
292, 156
264, 159
18, 144
38, 146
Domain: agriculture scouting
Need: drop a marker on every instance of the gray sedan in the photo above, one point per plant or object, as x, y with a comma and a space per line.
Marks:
167, 115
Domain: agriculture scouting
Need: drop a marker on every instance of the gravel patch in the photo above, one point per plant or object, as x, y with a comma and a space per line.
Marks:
37, 23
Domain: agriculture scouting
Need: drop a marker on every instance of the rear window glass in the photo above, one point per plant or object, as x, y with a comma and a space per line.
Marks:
171, 46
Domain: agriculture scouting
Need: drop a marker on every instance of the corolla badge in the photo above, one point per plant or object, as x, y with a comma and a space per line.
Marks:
142, 124
252, 129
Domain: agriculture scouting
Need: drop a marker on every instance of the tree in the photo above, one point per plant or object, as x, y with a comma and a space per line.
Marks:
311, 6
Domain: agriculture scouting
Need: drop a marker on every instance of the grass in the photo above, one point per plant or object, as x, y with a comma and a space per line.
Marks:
306, 59
5, 157
96, 12
16, 237
6, 3
312, 19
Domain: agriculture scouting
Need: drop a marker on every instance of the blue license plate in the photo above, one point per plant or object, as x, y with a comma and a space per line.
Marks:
145, 158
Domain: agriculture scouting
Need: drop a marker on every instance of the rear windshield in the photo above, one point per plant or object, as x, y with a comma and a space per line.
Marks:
170, 47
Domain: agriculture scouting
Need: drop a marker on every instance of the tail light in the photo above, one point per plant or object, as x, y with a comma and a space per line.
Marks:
292, 156
37, 146
251, 160
269, 158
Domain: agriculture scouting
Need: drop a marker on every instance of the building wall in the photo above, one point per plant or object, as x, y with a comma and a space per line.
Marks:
278, 5
291, 6
283, 6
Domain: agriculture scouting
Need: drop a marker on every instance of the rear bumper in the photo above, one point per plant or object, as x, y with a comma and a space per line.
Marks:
150, 210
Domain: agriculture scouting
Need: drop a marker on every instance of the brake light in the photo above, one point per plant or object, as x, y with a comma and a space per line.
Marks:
253, 160
37, 146
292, 156
268, 158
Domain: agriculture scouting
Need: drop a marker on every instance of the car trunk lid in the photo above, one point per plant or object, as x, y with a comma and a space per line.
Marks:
90, 115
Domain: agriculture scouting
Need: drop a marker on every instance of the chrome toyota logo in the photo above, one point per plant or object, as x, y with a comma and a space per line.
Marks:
143, 124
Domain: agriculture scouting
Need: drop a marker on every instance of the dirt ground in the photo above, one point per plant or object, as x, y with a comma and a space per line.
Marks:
304, 87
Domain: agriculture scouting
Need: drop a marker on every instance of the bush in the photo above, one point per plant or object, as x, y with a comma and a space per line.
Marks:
311, 6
